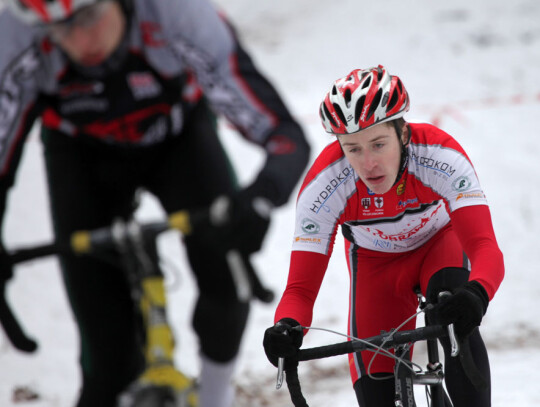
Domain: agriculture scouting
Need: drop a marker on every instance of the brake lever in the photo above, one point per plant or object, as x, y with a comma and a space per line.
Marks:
454, 343
281, 369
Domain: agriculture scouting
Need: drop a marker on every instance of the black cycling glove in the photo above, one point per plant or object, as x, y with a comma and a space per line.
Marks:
464, 308
234, 222
283, 340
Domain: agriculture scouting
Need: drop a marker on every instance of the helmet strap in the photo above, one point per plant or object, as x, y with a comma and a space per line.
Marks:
404, 160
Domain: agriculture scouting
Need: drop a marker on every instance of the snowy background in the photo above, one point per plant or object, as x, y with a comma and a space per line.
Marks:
471, 67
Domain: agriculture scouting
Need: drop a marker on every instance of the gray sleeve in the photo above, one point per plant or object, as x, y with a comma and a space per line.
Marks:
205, 43
202, 40
19, 65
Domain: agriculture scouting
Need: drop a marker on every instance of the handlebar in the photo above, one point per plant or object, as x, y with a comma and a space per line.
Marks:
119, 235
386, 340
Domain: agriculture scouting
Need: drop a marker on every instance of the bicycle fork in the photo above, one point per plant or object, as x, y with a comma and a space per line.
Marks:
404, 385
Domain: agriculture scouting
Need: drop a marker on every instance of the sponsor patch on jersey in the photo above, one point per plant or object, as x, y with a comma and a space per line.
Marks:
311, 240
372, 206
143, 85
341, 178
366, 203
406, 203
474, 196
436, 165
309, 226
461, 184
80, 89
400, 188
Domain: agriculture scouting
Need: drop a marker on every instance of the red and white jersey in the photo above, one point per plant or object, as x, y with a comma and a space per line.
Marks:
438, 190
439, 178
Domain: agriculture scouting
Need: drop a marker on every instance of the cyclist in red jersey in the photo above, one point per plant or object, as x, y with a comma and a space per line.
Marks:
413, 214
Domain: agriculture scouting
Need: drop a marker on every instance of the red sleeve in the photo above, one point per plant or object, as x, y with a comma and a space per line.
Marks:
305, 278
474, 229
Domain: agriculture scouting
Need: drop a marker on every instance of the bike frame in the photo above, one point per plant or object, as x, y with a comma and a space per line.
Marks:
128, 238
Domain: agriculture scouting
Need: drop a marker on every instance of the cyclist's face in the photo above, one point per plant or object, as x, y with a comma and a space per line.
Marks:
375, 155
91, 35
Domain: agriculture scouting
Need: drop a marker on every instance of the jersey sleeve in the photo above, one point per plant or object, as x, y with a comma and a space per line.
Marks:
306, 274
440, 163
474, 229
19, 67
238, 91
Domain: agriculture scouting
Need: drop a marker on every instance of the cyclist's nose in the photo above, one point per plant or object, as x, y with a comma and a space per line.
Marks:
369, 161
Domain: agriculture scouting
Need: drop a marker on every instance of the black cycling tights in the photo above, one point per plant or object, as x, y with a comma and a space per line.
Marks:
380, 393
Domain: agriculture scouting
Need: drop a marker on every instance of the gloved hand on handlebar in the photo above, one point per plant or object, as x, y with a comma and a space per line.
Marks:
464, 308
282, 341
238, 221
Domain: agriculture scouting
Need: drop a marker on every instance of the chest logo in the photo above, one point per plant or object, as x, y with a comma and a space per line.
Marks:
143, 85
400, 188
366, 203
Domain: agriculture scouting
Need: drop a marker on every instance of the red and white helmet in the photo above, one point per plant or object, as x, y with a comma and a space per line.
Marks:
35, 12
362, 99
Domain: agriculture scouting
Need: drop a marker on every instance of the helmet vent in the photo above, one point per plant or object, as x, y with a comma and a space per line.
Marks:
400, 85
328, 115
359, 107
374, 104
348, 97
379, 74
366, 83
393, 100
334, 90
385, 99
339, 113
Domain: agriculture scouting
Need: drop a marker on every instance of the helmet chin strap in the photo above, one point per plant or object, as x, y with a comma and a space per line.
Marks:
404, 160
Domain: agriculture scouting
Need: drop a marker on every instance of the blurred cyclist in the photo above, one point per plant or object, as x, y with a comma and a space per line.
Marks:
124, 90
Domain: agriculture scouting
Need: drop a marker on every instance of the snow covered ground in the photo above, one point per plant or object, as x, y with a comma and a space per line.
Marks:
470, 66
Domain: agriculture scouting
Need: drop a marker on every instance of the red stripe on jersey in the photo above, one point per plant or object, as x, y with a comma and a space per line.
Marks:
51, 119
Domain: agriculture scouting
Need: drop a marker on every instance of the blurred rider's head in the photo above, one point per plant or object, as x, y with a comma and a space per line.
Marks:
88, 31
